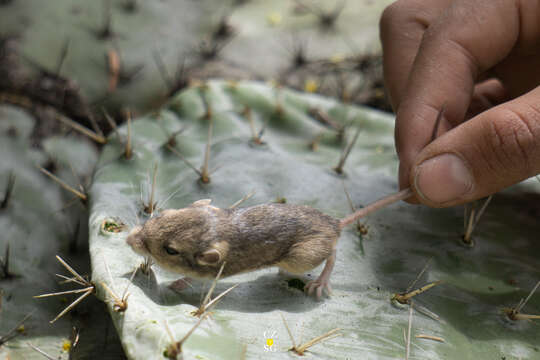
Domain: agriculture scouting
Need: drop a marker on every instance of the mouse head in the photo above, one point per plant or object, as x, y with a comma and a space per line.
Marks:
179, 241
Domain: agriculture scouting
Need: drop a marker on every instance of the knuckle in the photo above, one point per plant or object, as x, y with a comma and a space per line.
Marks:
391, 16
514, 137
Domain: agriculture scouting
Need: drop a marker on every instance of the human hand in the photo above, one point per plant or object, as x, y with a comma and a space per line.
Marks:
481, 61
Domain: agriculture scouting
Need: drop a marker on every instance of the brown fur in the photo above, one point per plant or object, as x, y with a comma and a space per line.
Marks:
295, 238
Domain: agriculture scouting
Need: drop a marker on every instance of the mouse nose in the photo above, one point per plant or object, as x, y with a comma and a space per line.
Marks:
136, 241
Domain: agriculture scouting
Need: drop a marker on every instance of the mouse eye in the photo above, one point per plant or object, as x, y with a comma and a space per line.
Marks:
169, 250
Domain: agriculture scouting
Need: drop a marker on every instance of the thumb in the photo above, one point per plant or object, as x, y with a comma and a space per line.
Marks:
491, 151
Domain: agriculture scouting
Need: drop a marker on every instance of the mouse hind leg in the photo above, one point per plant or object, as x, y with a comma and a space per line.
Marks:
323, 281
305, 256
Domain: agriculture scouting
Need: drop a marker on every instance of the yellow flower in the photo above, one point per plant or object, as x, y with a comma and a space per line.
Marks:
311, 86
274, 18
66, 345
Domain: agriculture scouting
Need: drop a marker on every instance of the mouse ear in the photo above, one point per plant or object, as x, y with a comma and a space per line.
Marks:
209, 257
203, 202
214, 255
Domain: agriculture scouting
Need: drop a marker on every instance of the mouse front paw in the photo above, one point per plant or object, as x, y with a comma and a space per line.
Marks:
180, 284
317, 286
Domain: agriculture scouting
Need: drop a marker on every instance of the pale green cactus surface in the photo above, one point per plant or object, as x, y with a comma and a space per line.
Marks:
36, 228
295, 164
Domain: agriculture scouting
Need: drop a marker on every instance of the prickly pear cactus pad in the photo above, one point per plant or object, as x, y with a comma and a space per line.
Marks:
293, 161
31, 235
33, 230
119, 51
39, 220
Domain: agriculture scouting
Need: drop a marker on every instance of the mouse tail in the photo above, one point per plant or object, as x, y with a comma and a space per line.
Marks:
376, 205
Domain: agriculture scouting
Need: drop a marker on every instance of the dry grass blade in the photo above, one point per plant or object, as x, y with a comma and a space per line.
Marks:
190, 165
325, 337
205, 175
202, 309
430, 337
324, 118
161, 204
75, 176
481, 211
346, 152
193, 328
423, 310
125, 293
219, 297
146, 265
73, 304
41, 352
522, 303
419, 275
361, 228
300, 349
208, 109
81, 129
72, 271
78, 279
288, 331
404, 298
76, 291
520, 316
12, 333
408, 349
111, 292
171, 138
214, 283
515, 312
79, 194
245, 198
472, 217
119, 303
150, 207
111, 122
113, 66
470, 225
247, 115
175, 348
74, 338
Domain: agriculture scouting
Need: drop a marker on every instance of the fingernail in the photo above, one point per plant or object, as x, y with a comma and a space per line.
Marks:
443, 178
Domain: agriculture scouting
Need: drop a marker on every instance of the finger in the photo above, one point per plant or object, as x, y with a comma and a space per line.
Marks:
454, 50
486, 95
402, 26
496, 149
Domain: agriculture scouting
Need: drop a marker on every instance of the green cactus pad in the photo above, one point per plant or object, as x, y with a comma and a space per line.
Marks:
255, 46
478, 282
35, 227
